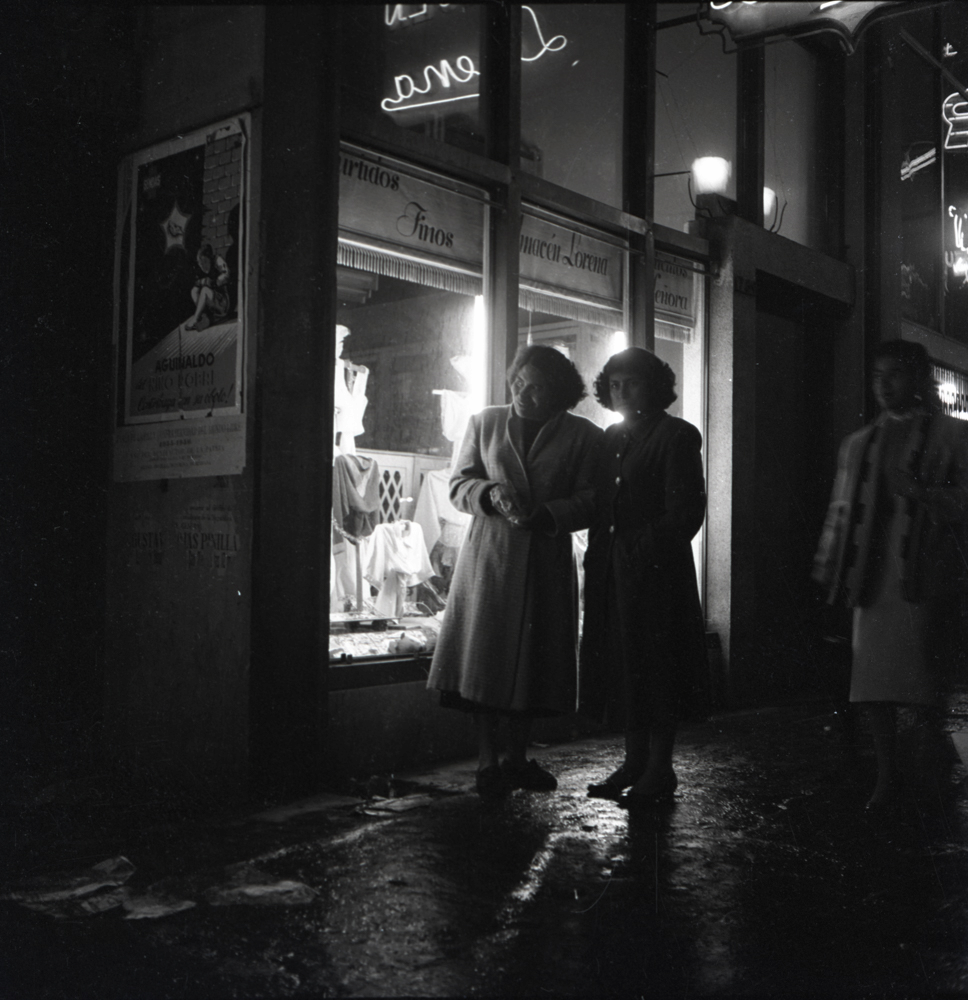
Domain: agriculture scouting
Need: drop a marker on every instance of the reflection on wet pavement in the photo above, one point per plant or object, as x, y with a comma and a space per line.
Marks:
763, 878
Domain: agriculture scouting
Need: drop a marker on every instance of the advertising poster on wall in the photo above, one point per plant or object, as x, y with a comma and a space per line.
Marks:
180, 307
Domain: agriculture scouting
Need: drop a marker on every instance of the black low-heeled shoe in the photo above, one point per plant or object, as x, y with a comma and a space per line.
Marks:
492, 783
613, 786
660, 794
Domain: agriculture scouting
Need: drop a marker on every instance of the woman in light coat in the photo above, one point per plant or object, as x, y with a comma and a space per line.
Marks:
507, 646
643, 646
893, 546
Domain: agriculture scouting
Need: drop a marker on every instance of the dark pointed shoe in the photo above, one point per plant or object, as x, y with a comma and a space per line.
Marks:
613, 786
649, 796
492, 783
530, 776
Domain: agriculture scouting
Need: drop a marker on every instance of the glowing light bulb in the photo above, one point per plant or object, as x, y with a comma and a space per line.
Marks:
710, 175
769, 202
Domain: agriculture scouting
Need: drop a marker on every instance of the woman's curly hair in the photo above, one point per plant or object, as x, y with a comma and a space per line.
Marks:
567, 385
660, 378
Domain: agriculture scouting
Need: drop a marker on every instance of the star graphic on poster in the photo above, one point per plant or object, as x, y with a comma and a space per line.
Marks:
174, 228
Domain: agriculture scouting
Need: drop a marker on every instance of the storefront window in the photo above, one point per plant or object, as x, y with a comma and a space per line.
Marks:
953, 147
794, 193
920, 181
418, 66
572, 82
572, 295
953, 390
695, 113
410, 370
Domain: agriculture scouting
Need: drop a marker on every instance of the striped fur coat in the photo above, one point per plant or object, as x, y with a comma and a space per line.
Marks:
932, 556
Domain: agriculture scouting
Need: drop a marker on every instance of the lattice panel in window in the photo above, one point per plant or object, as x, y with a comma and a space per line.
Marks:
392, 494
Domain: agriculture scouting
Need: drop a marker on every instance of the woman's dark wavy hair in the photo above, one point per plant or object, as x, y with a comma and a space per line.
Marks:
916, 360
638, 361
568, 387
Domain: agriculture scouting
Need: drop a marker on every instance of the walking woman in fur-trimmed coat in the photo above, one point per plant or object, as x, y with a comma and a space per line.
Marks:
507, 645
893, 546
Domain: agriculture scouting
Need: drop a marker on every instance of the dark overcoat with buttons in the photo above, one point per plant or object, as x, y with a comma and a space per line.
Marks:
510, 631
650, 503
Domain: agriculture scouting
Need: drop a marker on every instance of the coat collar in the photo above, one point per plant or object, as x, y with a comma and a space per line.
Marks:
640, 430
518, 469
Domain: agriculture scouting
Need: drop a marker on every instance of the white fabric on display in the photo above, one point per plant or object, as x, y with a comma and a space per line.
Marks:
394, 558
436, 515
349, 405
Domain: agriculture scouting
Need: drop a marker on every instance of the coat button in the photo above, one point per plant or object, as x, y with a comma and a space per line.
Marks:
618, 479
611, 528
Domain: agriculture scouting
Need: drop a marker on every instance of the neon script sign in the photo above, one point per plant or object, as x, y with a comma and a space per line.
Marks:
432, 85
955, 113
957, 259
749, 19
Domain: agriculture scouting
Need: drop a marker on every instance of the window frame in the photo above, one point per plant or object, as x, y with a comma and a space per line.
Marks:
508, 187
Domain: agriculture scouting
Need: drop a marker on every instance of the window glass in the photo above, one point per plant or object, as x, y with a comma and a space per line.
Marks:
952, 123
920, 188
417, 65
953, 390
410, 369
571, 294
695, 113
794, 200
572, 86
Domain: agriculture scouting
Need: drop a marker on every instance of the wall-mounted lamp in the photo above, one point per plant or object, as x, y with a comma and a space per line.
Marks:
769, 202
708, 180
710, 175
772, 213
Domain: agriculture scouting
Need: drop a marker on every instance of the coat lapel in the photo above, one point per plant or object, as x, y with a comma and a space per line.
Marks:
510, 460
518, 467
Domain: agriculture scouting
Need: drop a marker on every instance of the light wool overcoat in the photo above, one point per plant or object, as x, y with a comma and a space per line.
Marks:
509, 634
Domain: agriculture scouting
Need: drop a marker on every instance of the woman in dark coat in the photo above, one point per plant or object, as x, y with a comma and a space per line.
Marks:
893, 546
507, 646
643, 643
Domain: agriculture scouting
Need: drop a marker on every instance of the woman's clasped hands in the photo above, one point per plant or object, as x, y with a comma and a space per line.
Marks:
505, 502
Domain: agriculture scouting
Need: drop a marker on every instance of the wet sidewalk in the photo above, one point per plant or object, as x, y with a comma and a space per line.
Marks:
764, 878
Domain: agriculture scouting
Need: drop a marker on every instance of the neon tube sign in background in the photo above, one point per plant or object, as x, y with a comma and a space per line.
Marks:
431, 83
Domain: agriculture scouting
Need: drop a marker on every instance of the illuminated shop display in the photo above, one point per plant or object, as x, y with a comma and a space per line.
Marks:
410, 369
412, 349
953, 390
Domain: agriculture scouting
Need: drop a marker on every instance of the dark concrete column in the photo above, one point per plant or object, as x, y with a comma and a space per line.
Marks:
294, 398
883, 300
749, 133
640, 167
501, 116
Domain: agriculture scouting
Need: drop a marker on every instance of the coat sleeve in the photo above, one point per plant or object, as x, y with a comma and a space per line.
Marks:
469, 485
684, 490
947, 501
577, 511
